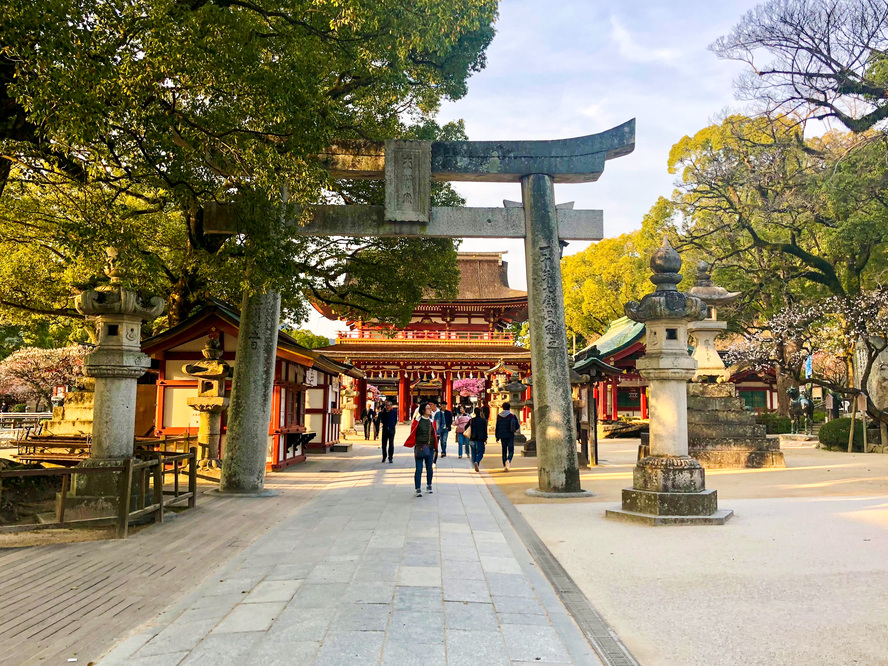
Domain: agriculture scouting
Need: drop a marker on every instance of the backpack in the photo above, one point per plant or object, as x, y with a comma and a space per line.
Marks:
514, 425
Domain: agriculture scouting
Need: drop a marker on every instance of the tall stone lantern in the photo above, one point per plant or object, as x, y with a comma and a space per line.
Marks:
115, 364
709, 363
117, 361
668, 485
211, 400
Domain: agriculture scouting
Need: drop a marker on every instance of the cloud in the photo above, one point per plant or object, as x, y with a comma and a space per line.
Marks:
635, 52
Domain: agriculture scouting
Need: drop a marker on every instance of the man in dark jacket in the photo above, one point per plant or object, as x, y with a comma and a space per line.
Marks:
367, 417
506, 426
388, 419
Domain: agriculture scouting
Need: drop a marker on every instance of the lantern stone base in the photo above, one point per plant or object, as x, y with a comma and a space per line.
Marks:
670, 490
341, 447
98, 495
530, 449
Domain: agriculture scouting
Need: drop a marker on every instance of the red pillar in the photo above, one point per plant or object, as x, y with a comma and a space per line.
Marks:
362, 398
614, 412
644, 401
403, 396
602, 399
448, 389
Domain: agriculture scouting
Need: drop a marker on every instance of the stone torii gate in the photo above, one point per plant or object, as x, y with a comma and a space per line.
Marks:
408, 167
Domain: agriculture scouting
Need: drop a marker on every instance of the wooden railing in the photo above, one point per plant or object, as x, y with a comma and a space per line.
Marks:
153, 469
439, 337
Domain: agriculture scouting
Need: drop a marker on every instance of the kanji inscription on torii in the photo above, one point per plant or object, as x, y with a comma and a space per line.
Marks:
408, 168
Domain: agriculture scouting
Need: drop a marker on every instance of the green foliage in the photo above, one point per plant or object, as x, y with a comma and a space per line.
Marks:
125, 121
819, 416
307, 338
775, 424
599, 281
834, 434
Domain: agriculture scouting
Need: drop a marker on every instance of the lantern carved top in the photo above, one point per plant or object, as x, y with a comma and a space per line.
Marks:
114, 298
666, 302
709, 292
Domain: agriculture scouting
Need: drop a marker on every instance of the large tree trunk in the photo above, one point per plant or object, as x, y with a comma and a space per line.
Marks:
243, 462
784, 381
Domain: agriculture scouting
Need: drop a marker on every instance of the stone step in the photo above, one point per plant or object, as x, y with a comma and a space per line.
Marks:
725, 390
720, 459
715, 404
733, 444
740, 417
732, 430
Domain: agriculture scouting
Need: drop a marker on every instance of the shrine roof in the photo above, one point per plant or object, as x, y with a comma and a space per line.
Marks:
483, 276
621, 334
219, 309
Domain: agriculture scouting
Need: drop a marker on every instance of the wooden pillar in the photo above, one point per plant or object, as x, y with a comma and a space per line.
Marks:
448, 389
403, 396
614, 410
644, 401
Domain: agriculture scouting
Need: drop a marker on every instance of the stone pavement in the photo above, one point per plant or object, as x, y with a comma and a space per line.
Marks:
364, 573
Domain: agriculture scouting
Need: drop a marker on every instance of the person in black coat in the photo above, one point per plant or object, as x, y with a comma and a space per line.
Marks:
478, 437
367, 418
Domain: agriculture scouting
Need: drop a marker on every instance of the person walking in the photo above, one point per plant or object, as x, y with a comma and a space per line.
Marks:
506, 426
424, 441
442, 427
367, 419
388, 420
376, 416
460, 423
478, 437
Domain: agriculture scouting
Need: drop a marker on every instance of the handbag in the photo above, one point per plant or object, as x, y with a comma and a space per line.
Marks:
467, 433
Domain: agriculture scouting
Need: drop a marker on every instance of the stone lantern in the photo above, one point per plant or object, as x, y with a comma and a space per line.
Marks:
668, 485
709, 363
349, 405
211, 399
116, 363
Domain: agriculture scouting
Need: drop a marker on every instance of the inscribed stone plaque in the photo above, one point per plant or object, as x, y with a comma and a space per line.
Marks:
408, 174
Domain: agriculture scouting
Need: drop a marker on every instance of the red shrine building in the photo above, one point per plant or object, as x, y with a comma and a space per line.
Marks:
445, 340
625, 395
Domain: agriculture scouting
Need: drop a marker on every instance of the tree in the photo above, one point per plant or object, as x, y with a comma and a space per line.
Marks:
828, 58
307, 338
141, 114
599, 281
828, 329
32, 373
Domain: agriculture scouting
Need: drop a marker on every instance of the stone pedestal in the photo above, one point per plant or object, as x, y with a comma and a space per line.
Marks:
74, 417
723, 435
668, 486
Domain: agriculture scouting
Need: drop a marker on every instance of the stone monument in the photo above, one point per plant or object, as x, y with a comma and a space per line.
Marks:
211, 400
115, 365
721, 432
668, 485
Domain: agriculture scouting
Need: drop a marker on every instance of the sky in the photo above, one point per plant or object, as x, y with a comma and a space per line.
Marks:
574, 67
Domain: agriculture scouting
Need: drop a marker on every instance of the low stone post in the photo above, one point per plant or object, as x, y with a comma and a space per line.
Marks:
668, 485
211, 400
115, 364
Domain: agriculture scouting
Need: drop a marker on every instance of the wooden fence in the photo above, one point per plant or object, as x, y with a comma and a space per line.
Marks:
153, 469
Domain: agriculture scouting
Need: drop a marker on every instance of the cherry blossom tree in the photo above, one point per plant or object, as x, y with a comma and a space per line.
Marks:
32, 373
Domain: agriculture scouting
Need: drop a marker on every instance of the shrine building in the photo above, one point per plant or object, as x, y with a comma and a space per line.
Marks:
444, 341
625, 395
306, 401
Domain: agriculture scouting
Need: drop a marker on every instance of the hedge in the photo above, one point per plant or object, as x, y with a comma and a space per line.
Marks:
834, 434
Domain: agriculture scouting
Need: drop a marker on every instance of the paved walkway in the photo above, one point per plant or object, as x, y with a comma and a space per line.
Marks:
364, 573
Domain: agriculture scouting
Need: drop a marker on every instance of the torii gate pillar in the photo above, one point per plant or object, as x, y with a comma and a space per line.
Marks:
555, 432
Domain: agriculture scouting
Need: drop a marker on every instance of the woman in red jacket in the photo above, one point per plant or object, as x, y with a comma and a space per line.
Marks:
424, 441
